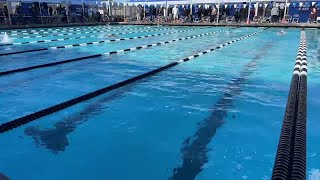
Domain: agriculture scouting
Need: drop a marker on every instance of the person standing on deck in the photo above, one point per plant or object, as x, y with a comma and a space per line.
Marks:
170, 14
274, 14
175, 13
138, 13
281, 11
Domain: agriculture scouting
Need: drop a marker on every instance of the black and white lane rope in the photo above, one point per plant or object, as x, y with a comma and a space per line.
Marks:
76, 30
107, 53
47, 48
131, 38
34, 32
290, 161
7, 126
89, 32
54, 29
64, 28
93, 36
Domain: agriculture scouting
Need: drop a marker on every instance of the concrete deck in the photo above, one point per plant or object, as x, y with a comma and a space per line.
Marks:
7, 27
275, 25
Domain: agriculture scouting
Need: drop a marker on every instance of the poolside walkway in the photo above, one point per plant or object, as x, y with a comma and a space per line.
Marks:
6, 27
276, 25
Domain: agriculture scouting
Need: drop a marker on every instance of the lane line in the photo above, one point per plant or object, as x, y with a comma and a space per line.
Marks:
43, 49
86, 32
98, 55
66, 31
290, 161
83, 37
7, 126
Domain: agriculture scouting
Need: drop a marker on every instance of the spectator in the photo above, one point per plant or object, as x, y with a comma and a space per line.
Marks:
33, 13
199, 13
274, 14
138, 13
237, 15
142, 13
50, 11
175, 13
5, 11
313, 14
170, 13
19, 13
98, 16
244, 14
213, 14
281, 11
154, 14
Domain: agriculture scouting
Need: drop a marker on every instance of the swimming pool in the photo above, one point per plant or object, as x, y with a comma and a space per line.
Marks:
217, 115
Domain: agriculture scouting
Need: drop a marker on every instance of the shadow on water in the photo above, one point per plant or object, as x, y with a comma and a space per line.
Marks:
55, 139
3, 177
194, 150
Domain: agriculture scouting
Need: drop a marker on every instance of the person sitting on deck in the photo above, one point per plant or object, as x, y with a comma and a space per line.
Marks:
213, 14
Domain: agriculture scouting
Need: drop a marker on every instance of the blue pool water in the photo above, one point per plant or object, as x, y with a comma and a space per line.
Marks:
217, 116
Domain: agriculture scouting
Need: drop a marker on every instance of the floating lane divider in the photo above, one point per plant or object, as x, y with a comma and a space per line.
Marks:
89, 32
61, 29
98, 55
50, 29
123, 39
47, 32
290, 161
50, 110
47, 48
57, 29
92, 36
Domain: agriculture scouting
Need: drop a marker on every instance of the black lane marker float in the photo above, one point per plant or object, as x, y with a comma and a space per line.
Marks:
93, 36
50, 110
290, 161
86, 29
98, 55
88, 32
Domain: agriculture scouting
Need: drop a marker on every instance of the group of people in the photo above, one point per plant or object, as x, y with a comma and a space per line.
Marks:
35, 13
155, 13
201, 13
277, 12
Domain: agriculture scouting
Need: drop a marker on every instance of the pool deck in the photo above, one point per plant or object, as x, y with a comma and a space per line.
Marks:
6, 27
275, 25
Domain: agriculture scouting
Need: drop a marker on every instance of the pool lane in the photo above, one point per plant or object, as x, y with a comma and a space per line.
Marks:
107, 70
71, 39
29, 35
22, 60
148, 98
79, 38
252, 134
